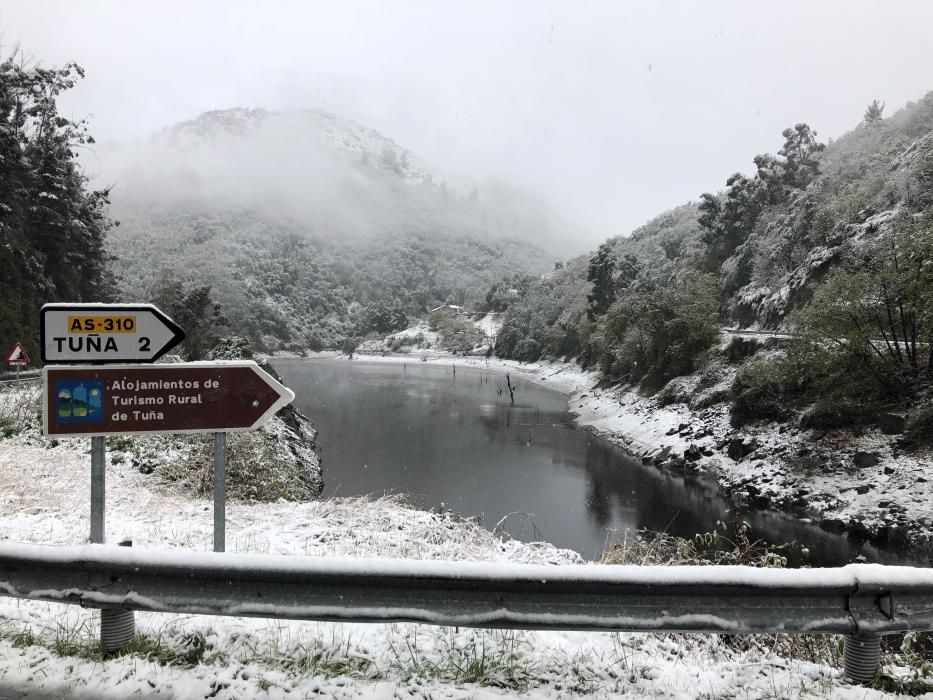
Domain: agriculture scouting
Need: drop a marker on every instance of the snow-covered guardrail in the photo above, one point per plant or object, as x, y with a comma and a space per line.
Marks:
861, 600
13, 379
733, 599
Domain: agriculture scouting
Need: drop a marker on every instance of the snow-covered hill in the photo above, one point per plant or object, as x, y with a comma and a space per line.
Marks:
354, 142
306, 225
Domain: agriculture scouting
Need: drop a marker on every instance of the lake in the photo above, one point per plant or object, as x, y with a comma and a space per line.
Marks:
452, 439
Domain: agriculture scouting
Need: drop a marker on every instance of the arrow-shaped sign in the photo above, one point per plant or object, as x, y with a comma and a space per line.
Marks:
193, 397
105, 333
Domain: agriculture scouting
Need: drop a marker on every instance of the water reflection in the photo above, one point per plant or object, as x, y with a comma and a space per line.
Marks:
454, 438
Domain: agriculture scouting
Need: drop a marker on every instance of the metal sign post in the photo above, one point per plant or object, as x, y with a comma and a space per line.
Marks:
18, 357
98, 486
220, 491
194, 397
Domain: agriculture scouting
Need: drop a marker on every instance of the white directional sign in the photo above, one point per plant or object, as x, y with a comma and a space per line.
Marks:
103, 333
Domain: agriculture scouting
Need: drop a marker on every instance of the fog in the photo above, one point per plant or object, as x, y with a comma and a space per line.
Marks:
316, 172
607, 112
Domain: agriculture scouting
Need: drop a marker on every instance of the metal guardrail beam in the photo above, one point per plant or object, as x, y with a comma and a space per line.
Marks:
12, 379
737, 600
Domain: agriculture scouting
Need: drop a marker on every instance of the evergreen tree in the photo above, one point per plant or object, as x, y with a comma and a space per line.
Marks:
874, 113
800, 149
600, 273
52, 228
194, 310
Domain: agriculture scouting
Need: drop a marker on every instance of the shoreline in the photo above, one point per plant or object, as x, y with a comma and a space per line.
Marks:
855, 486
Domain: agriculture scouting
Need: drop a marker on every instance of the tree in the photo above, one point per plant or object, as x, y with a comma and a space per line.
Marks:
600, 273
710, 213
875, 314
349, 347
52, 227
799, 151
656, 333
383, 317
873, 113
728, 224
192, 309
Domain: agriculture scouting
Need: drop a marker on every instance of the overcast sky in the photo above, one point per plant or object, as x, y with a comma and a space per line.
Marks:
613, 110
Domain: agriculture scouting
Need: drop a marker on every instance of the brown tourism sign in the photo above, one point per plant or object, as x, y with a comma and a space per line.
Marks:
193, 397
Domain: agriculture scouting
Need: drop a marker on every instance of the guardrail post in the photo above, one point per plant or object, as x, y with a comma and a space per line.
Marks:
117, 627
861, 654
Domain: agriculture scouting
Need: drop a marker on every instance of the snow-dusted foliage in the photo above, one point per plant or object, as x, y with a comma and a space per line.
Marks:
311, 228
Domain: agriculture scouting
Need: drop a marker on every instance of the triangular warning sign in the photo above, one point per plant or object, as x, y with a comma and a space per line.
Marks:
18, 355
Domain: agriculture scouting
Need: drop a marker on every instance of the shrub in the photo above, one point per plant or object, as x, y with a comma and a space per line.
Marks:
231, 348
873, 311
838, 415
920, 426
739, 349
458, 334
759, 392
528, 350
675, 391
730, 543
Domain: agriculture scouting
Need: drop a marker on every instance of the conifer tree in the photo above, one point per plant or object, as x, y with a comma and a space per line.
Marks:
52, 226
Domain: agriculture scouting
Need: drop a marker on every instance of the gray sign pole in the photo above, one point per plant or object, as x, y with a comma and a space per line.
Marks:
220, 491
98, 454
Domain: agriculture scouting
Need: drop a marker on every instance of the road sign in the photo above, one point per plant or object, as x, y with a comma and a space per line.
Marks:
106, 333
18, 356
193, 397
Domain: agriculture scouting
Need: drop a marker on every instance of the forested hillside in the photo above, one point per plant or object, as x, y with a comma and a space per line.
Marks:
306, 229
52, 226
831, 243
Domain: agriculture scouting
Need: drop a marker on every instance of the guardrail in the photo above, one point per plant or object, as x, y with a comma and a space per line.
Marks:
8, 379
861, 601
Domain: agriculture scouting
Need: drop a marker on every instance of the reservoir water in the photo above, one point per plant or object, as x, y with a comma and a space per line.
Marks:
451, 438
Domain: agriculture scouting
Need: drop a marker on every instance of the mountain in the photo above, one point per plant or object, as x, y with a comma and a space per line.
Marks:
308, 227
825, 248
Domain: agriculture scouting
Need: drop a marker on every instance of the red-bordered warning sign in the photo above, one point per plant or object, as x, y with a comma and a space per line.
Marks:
18, 356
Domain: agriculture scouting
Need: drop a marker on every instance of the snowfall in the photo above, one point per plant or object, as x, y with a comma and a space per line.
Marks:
49, 650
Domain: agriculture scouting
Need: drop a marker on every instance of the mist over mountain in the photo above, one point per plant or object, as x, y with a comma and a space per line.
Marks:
338, 177
306, 225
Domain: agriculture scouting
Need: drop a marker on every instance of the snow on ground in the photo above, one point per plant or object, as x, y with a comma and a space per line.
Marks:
861, 484
418, 338
489, 324
48, 650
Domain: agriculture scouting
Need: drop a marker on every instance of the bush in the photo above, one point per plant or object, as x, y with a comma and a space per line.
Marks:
232, 348
705, 399
458, 334
729, 544
759, 392
675, 391
528, 350
920, 427
739, 349
873, 310
838, 415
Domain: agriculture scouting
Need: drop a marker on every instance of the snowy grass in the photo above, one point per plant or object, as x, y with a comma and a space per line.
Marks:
52, 649
230, 658
268, 464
